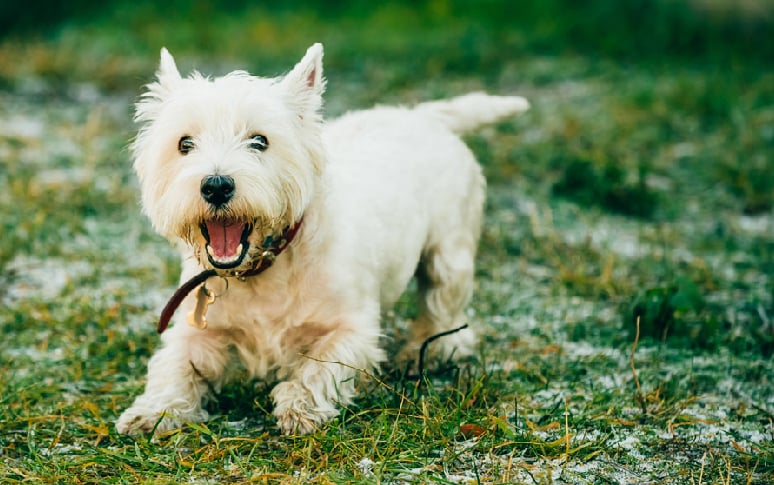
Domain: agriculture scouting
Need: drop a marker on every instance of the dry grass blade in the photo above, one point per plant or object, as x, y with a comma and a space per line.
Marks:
640, 397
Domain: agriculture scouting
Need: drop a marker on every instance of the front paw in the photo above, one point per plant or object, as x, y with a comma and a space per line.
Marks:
296, 422
296, 410
140, 419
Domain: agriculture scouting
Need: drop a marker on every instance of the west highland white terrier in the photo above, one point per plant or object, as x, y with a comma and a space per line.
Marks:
296, 235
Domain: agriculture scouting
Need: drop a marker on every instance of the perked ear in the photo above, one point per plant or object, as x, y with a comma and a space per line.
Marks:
167, 73
167, 77
305, 82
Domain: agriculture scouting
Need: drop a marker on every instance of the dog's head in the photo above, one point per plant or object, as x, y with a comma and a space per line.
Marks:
226, 163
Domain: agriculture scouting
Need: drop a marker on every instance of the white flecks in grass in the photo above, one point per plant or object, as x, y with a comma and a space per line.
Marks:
35, 354
61, 449
42, 278
583, 350
547, 395
762, 224
683, 150
237, 425
629, 444
533, 136
19, 126
86, 93
659, 182
705, 420
366, 466
615, 236
468, 477
57, 177
609, 382
198, 480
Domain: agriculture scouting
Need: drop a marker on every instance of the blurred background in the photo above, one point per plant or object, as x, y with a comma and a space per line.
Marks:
660, 112
112, 43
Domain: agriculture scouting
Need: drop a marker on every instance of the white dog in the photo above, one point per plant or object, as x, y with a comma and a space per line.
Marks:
241, 172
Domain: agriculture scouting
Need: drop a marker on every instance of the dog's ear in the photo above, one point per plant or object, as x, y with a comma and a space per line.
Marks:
305, 83
167, 77
167, 73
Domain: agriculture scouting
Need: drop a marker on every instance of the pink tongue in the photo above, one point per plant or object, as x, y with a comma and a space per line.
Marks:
224, 238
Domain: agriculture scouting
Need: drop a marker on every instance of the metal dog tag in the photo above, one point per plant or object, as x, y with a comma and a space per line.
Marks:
198, 317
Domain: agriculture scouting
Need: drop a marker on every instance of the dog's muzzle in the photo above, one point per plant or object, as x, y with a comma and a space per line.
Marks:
226, 237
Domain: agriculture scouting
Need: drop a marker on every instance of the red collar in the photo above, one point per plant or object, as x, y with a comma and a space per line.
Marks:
272, 248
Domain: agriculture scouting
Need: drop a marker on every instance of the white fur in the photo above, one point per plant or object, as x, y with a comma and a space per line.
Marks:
384, 194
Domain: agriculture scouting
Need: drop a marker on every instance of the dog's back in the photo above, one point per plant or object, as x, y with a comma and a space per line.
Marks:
416, 190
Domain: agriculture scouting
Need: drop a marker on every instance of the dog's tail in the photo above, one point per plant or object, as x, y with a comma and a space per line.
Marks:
467, 113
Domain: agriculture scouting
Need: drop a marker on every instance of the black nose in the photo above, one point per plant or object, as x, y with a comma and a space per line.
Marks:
217, 189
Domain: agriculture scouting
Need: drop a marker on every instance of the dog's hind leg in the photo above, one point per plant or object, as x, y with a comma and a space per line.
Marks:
445, 284
447, 265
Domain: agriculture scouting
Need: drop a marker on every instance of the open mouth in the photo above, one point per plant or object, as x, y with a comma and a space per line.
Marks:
226, 241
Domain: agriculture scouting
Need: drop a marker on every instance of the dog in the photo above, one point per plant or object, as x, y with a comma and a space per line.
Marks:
296, 235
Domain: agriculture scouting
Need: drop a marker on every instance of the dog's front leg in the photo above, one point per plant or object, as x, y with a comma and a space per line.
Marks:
180, 375
324, 377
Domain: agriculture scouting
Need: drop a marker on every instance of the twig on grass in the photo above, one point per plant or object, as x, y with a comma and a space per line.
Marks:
423, 349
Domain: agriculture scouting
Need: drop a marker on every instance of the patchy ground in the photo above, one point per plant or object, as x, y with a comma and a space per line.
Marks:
628, 198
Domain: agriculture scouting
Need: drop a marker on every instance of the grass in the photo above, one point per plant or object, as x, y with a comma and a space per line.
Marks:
635, 189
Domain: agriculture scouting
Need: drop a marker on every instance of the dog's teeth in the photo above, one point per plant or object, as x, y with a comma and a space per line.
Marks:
237, 253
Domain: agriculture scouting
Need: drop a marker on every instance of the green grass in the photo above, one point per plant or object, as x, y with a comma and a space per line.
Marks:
637, 186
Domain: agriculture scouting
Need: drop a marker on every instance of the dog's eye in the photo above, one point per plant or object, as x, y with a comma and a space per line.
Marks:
259, 142
185, 145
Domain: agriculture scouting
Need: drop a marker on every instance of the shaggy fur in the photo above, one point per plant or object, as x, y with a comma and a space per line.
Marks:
385, 194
